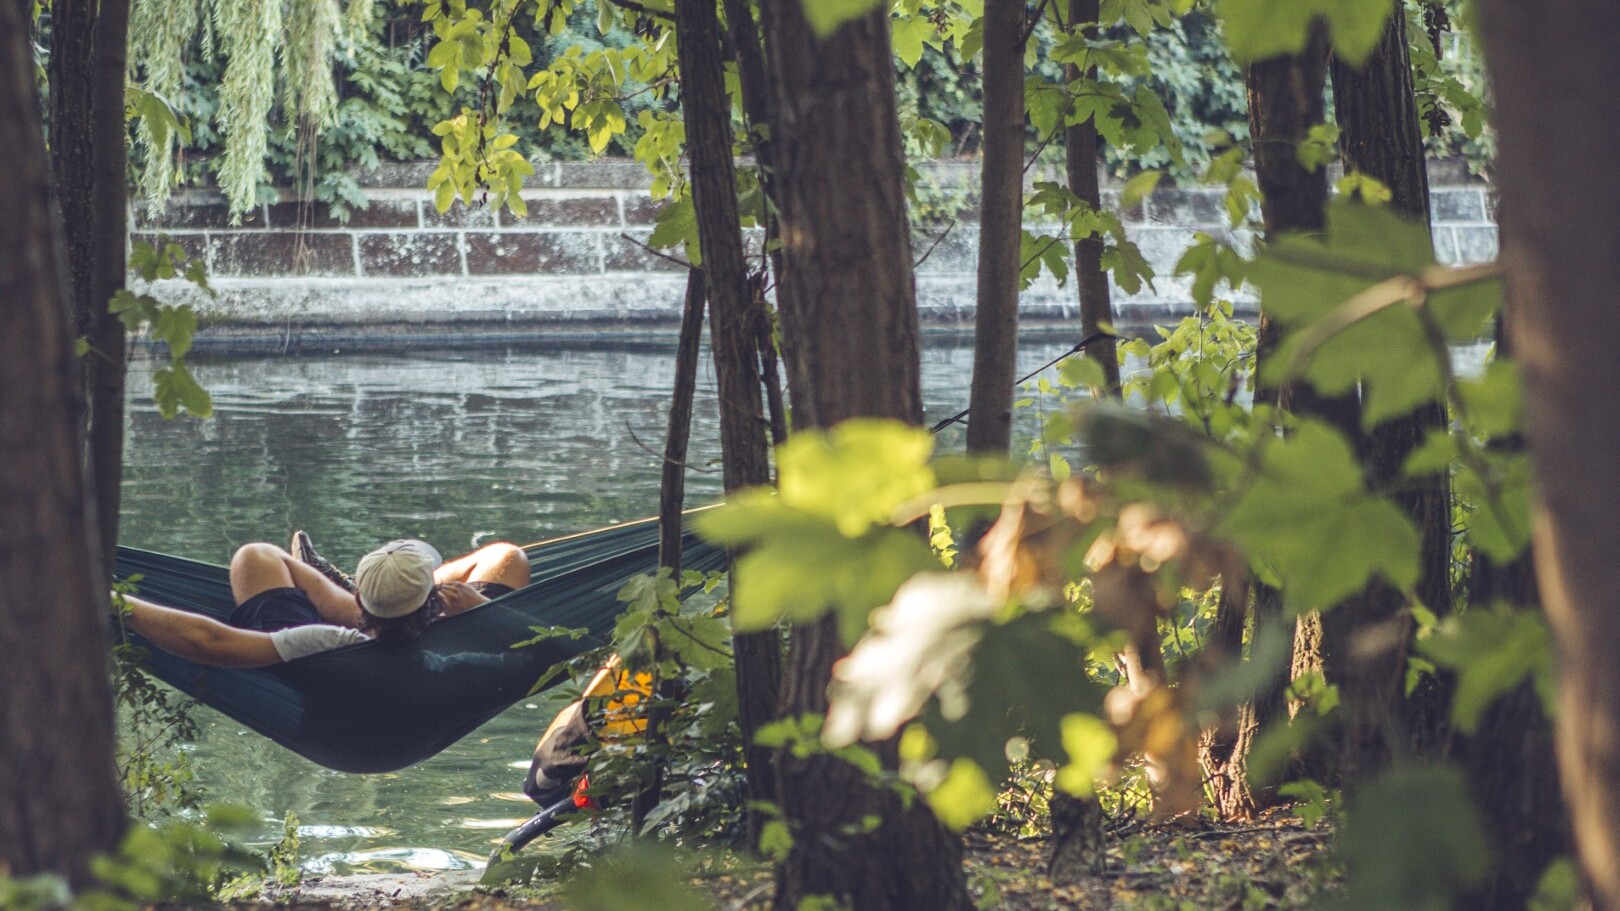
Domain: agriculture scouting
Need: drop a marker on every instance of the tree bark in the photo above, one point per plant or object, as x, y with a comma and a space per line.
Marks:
1080, 148
1001, 210
59, 800
734, 333
1075, 850
1285, 101
88, 163
1553, 65
671, 524
1380, 137
851, 331
1511, 759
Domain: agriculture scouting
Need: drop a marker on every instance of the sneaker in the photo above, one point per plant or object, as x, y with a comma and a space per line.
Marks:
304, 550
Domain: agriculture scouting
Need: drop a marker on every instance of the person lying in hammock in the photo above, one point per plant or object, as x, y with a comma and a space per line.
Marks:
291, 606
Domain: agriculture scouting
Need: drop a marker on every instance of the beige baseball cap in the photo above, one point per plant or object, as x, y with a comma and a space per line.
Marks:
395, 579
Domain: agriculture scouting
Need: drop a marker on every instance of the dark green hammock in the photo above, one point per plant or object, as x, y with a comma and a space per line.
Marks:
378, 707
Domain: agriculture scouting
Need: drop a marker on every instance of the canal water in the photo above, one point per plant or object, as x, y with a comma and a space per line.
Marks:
457, 448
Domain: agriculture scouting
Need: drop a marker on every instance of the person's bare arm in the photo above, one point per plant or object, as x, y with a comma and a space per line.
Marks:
198, 638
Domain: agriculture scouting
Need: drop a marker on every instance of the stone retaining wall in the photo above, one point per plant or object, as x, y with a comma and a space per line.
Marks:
292, 271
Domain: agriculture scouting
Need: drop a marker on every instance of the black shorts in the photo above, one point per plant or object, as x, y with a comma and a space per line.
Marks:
275, 609
492, 590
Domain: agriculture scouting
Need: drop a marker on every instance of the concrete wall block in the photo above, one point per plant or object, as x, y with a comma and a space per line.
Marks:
1187, 208
641, 210
1458, 205
459, 215
603, 174
1445, 244
623, 256
534, 253
410, 253
381, 213
279, 254
571, 212
195, 212
1476, 245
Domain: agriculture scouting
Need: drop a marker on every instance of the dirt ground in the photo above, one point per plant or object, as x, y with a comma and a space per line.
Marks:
1275, 863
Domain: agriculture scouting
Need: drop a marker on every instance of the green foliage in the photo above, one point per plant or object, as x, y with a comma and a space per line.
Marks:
1259, 29
826, 16
1492, 652
1305, 512
1411, 840
172, 324
156, 775
645, 877
175, 861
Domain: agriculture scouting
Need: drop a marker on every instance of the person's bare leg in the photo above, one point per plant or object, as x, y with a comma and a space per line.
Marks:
257, 568
502, 562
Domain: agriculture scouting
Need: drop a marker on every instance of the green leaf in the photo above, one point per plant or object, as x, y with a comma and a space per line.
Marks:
1090, 744
175, 389
1009, 693
1412, 840
1492, 652
1139, 187
800, 577
856, 473
910, 36
1309, 516
1435, 454
964, 797
676, 225
644, 878
1494, 403
1261, 29
825, 16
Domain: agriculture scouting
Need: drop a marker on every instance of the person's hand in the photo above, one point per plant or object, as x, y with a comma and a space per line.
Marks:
459, 596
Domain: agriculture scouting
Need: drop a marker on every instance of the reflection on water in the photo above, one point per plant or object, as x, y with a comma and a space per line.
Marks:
456, 449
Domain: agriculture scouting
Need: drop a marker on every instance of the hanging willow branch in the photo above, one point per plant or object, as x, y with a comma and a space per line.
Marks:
278, 55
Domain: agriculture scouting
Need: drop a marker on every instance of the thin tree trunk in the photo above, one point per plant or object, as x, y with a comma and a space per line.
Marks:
671, 501
755, 88
86, 71
849, 307
1076, 844
1080, 146
59, 799
1285, 101
734, 332
1553, 65
1379, 136
1001, 210
1511, 759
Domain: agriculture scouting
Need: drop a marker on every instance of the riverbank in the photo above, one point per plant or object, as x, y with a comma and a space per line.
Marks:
293, 276
1273, 863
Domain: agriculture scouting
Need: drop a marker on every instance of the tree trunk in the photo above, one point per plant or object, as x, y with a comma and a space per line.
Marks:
849, 307
1001, 210
1379, 136
88, 163
1080, 147
734, 334
59, 800
1285, 101
755, 89
1076, 845
1553, 65
1511, 759
671, 525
